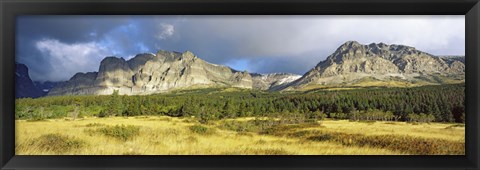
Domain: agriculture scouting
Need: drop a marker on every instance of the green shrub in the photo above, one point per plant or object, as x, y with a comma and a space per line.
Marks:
121, 132
421, 118
322, 137
102, 114
199, 129
59, 111
292, 118
255, 125
300, 133
57, 143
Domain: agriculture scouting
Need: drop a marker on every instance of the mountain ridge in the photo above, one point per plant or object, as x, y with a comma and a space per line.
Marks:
351, 64
353, 61
156, 73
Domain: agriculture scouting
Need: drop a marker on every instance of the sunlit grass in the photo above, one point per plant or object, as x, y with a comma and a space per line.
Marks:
154, 135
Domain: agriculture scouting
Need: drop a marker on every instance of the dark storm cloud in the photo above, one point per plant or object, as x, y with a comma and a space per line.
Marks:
27, 54
56, 47
69, 29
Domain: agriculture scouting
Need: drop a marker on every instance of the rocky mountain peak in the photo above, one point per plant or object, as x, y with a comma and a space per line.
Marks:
353, 61
21, 69
354, 50
139, 60
187, 55
111, 61
24, 86
350, 44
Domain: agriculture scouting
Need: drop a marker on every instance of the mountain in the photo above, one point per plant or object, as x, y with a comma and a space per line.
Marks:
46, 86
157, 73
274, 81
24, 86
355, 64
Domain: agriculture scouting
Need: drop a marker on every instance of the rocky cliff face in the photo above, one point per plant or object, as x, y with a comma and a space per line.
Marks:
352, 63
24, 86
153, 73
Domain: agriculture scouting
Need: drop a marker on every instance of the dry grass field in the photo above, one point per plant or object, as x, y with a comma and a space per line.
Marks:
161, 135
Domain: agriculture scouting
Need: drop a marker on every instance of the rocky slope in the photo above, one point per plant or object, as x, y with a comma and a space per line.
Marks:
153, 73
24, 87
356, 64
274, 81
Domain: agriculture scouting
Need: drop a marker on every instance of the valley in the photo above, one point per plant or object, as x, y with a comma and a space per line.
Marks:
236, 121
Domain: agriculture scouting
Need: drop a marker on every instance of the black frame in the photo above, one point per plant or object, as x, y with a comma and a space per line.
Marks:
11, 8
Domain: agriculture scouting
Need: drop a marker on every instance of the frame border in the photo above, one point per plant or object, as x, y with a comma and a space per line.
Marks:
12, 8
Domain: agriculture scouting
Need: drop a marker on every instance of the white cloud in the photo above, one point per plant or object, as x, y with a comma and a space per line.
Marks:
434, 34
260, 36
166, 30
68, 59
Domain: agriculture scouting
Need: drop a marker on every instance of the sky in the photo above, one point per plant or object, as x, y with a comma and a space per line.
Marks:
56, 47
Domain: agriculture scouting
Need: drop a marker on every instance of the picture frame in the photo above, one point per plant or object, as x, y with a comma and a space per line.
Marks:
10, 9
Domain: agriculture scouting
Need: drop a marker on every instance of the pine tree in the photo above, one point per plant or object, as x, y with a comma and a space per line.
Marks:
114, 106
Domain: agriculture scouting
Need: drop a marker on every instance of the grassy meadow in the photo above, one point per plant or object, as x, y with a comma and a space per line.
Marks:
164, 135
427, 120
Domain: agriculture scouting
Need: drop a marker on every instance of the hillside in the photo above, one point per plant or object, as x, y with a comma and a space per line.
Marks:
354, 64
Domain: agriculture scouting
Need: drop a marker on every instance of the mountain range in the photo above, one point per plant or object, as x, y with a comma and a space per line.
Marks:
163, 72
351, 65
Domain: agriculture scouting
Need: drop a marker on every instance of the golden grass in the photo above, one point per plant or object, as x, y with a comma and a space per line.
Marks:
174, 136
425, 130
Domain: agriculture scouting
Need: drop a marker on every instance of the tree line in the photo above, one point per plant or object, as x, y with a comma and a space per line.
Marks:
441, 103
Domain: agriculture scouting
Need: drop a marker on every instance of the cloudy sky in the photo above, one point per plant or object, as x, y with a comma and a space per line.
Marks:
56, 47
